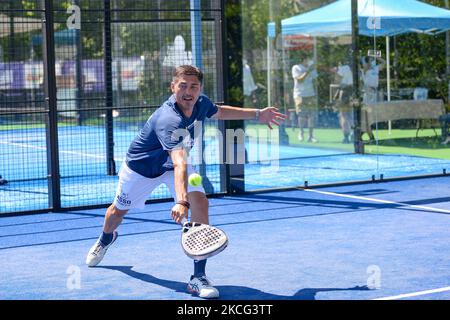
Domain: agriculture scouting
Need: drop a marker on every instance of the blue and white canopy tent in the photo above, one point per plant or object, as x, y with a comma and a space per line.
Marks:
375, 18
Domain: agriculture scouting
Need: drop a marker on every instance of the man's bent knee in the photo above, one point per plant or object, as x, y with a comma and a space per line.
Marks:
199, 198
113, 210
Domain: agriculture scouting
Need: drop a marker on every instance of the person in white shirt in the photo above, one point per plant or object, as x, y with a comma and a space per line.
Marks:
370, 70
371, 76
304, 75
346, 121
250, 86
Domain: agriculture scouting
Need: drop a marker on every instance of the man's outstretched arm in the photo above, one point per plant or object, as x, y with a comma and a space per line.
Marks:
269, 115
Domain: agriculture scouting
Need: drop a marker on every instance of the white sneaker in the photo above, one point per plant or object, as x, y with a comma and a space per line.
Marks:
202, 287
98, 251
300, 137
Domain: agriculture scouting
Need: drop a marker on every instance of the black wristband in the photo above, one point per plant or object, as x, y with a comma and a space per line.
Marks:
184, 203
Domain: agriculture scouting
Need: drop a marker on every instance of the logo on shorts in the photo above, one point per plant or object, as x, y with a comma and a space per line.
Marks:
123, 199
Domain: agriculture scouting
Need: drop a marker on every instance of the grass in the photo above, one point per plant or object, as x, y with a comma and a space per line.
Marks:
28, 126
5, 127
398, 141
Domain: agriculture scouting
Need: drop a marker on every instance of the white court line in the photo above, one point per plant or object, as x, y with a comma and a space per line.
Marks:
401, 296
414, 294
24, 145
379, 200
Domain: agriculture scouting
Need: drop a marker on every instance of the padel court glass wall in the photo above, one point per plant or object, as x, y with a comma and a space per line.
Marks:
78, 79
376, 99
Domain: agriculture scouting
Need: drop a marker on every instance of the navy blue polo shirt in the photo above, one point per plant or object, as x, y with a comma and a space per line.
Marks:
167, 129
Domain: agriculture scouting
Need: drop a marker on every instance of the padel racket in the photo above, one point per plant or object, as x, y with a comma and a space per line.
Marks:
201, 241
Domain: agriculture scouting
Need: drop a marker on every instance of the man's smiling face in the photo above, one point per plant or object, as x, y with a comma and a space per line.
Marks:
187, 90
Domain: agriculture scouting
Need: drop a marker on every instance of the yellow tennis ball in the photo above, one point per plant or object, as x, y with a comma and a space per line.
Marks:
195, 180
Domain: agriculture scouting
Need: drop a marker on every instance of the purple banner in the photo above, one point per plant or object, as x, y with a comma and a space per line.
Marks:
30, 75
12, 76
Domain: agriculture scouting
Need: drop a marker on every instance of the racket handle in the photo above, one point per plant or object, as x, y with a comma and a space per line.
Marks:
184, 225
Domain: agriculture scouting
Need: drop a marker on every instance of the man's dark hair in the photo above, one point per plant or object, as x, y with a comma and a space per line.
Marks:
187, 70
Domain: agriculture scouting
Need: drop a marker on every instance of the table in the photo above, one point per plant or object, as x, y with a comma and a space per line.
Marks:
400, 109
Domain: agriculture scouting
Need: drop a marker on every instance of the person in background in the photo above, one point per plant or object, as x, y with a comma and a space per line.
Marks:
370, 70
304, 75
346, 120
249, 83
370, 76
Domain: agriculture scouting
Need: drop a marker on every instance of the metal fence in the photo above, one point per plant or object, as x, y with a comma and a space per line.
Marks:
77, 81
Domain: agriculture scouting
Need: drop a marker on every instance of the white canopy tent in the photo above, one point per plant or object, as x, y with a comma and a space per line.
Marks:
375, 18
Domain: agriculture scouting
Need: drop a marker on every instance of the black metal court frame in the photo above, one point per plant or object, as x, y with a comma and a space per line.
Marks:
97, 59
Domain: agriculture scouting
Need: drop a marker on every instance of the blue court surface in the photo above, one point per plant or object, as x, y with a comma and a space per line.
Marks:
385, 240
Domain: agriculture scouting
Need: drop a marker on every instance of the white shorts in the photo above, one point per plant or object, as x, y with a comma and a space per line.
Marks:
133, 189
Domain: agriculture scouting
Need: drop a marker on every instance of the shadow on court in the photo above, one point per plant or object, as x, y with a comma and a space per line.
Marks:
354, 204
230, 292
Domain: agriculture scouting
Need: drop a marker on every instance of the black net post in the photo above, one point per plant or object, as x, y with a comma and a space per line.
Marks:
79, 73
233, 83
109, 125
356, 99
51, 106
